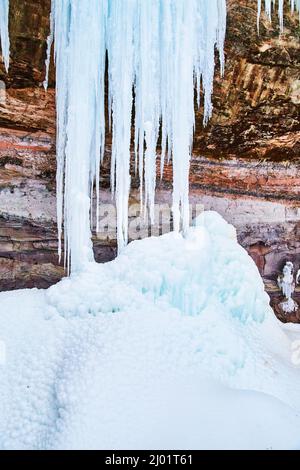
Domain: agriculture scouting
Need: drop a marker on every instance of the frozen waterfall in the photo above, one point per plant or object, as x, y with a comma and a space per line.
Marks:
157, 53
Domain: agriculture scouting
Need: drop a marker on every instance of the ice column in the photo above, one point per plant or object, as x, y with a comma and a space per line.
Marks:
121, 78
79, 28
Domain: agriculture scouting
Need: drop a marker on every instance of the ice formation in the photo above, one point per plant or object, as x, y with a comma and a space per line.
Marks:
271, 4
287, 284
78, 28
4, 35
177, 326
157, 51
172, 345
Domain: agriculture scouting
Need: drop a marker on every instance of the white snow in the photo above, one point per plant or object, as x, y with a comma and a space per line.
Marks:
4, 35
172, 345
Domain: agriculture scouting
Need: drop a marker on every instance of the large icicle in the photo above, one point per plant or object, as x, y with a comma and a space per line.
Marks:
175, 42
121, 77
182, 117
147, 95
79, 31
4, 35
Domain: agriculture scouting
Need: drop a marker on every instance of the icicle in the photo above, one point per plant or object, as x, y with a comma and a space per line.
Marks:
121, 78
166, 83
269, 4
221, 33
164, 80
182, 108
4, 34
268, 8
147, 93
280, 14
49, 46
258, 14
295, 5
79, 30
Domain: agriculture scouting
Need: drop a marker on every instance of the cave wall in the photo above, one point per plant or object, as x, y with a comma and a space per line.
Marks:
245, 162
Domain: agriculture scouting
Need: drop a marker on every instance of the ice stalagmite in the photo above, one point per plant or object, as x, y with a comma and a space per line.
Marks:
4, 35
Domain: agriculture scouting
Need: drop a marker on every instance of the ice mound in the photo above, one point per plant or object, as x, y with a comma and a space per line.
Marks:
175, 334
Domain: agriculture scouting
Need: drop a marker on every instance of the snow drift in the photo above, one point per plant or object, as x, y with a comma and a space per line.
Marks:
172, 345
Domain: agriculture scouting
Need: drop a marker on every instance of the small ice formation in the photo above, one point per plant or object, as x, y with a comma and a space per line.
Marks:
272, 4
4, 34
172, 345
286, 283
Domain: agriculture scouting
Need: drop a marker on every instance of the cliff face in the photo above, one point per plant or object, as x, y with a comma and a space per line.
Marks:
245, 162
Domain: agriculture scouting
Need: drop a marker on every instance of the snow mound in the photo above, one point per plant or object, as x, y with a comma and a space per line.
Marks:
172, 345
